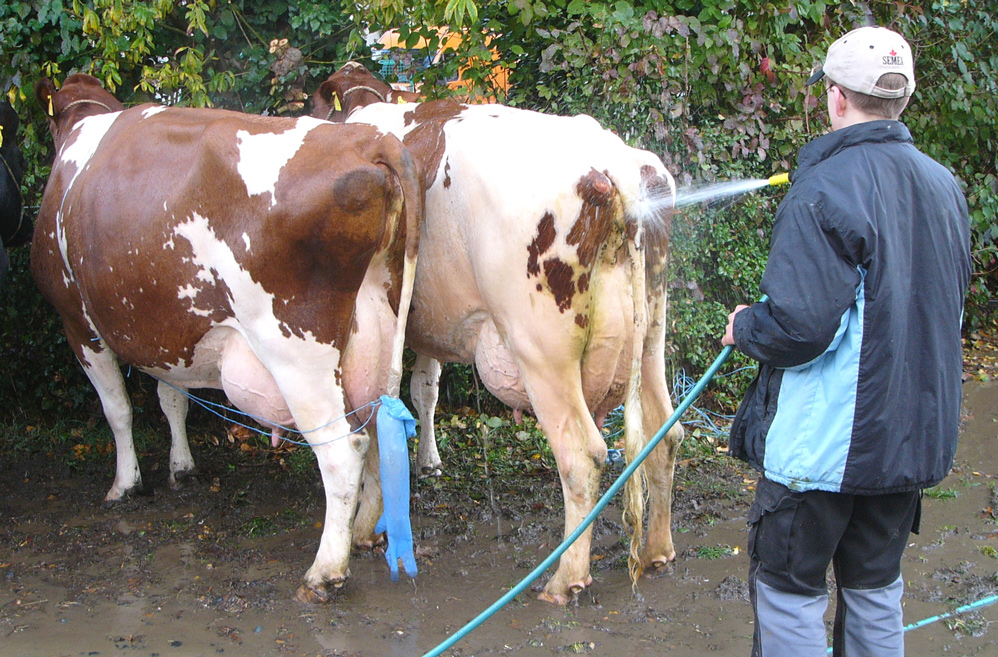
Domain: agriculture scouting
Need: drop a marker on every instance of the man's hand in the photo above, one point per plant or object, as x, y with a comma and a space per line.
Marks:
729, 335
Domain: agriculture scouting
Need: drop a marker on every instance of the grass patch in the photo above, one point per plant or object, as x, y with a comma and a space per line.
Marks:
938, 493
711, 552
260, 526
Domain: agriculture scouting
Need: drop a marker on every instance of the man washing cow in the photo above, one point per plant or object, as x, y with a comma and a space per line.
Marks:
856, 404
272, 258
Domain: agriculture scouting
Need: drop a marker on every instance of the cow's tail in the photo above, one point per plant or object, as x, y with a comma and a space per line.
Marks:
647, 209
636, 489
404, 169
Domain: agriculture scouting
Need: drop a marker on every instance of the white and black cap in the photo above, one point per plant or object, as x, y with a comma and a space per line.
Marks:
857, 60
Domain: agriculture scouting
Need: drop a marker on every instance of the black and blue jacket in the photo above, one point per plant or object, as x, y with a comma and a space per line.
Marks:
859, 345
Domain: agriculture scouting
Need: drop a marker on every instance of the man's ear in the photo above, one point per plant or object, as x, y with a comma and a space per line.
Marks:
841, 103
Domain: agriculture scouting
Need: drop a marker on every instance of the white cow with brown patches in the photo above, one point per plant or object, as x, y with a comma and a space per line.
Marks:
271, 258
542, 261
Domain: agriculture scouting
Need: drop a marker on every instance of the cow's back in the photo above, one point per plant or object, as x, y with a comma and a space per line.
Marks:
519, 232
168, 222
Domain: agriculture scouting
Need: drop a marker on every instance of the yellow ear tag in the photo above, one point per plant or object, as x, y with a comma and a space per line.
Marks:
1, 135
51, 111
400, 101
336, 103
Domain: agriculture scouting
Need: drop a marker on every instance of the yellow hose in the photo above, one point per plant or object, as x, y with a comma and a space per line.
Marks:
779, 179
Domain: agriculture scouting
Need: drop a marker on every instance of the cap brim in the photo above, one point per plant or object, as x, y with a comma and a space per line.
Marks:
817, 75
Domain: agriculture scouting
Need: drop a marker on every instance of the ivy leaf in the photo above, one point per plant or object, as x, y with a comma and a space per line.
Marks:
455, 11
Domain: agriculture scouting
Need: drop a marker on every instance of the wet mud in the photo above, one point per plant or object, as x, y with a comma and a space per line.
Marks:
212, 569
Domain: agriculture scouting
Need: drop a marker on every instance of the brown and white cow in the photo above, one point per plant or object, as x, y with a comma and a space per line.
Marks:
542, 261
269, 257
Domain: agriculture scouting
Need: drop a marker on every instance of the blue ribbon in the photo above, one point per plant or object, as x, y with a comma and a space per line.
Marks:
395, 424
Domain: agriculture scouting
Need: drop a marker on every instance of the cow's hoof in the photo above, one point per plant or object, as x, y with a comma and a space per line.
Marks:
318, 594
368, 544
655, 565
177, 479
555, 599
117, 494
430, 471
113, 497
564, 598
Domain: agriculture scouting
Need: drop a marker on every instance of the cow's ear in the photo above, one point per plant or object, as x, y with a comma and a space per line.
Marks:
44, 91
327, 94
324, 91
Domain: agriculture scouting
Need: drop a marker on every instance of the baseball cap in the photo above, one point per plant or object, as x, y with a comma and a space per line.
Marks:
857, 60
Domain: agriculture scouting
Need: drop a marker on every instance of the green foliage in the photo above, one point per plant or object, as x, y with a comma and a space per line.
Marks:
256, 56
39, 371
479, 446
717, 259
715, 88
954, 117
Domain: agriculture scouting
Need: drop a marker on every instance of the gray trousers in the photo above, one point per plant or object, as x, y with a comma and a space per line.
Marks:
794, 537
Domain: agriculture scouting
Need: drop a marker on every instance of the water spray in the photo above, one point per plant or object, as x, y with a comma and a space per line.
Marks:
728, 189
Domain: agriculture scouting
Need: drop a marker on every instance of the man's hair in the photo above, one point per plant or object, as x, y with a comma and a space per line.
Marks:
889, 108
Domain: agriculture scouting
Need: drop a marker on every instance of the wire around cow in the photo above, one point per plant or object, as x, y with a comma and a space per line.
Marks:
211, 406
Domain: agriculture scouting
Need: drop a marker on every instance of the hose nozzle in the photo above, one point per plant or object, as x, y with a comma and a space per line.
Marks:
779, 179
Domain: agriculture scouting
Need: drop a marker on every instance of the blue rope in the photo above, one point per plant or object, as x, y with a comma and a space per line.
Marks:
211, 406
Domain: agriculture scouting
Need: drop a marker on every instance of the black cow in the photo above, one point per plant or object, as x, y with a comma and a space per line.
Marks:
15, 229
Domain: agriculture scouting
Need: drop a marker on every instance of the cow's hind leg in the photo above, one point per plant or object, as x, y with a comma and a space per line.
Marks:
370, 505
340, 456
661, 463
659, 469
101, 367
424, 389
580, 453
173, 401
557, 399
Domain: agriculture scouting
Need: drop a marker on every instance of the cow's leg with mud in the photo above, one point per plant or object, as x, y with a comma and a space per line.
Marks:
173, 402
555, 390
424, 389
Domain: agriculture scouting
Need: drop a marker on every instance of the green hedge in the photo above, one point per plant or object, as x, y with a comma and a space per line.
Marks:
715, 88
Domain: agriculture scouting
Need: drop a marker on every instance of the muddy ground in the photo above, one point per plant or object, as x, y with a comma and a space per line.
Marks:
212, 569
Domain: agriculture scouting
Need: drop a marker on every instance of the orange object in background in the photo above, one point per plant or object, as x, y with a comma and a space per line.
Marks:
403, 63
